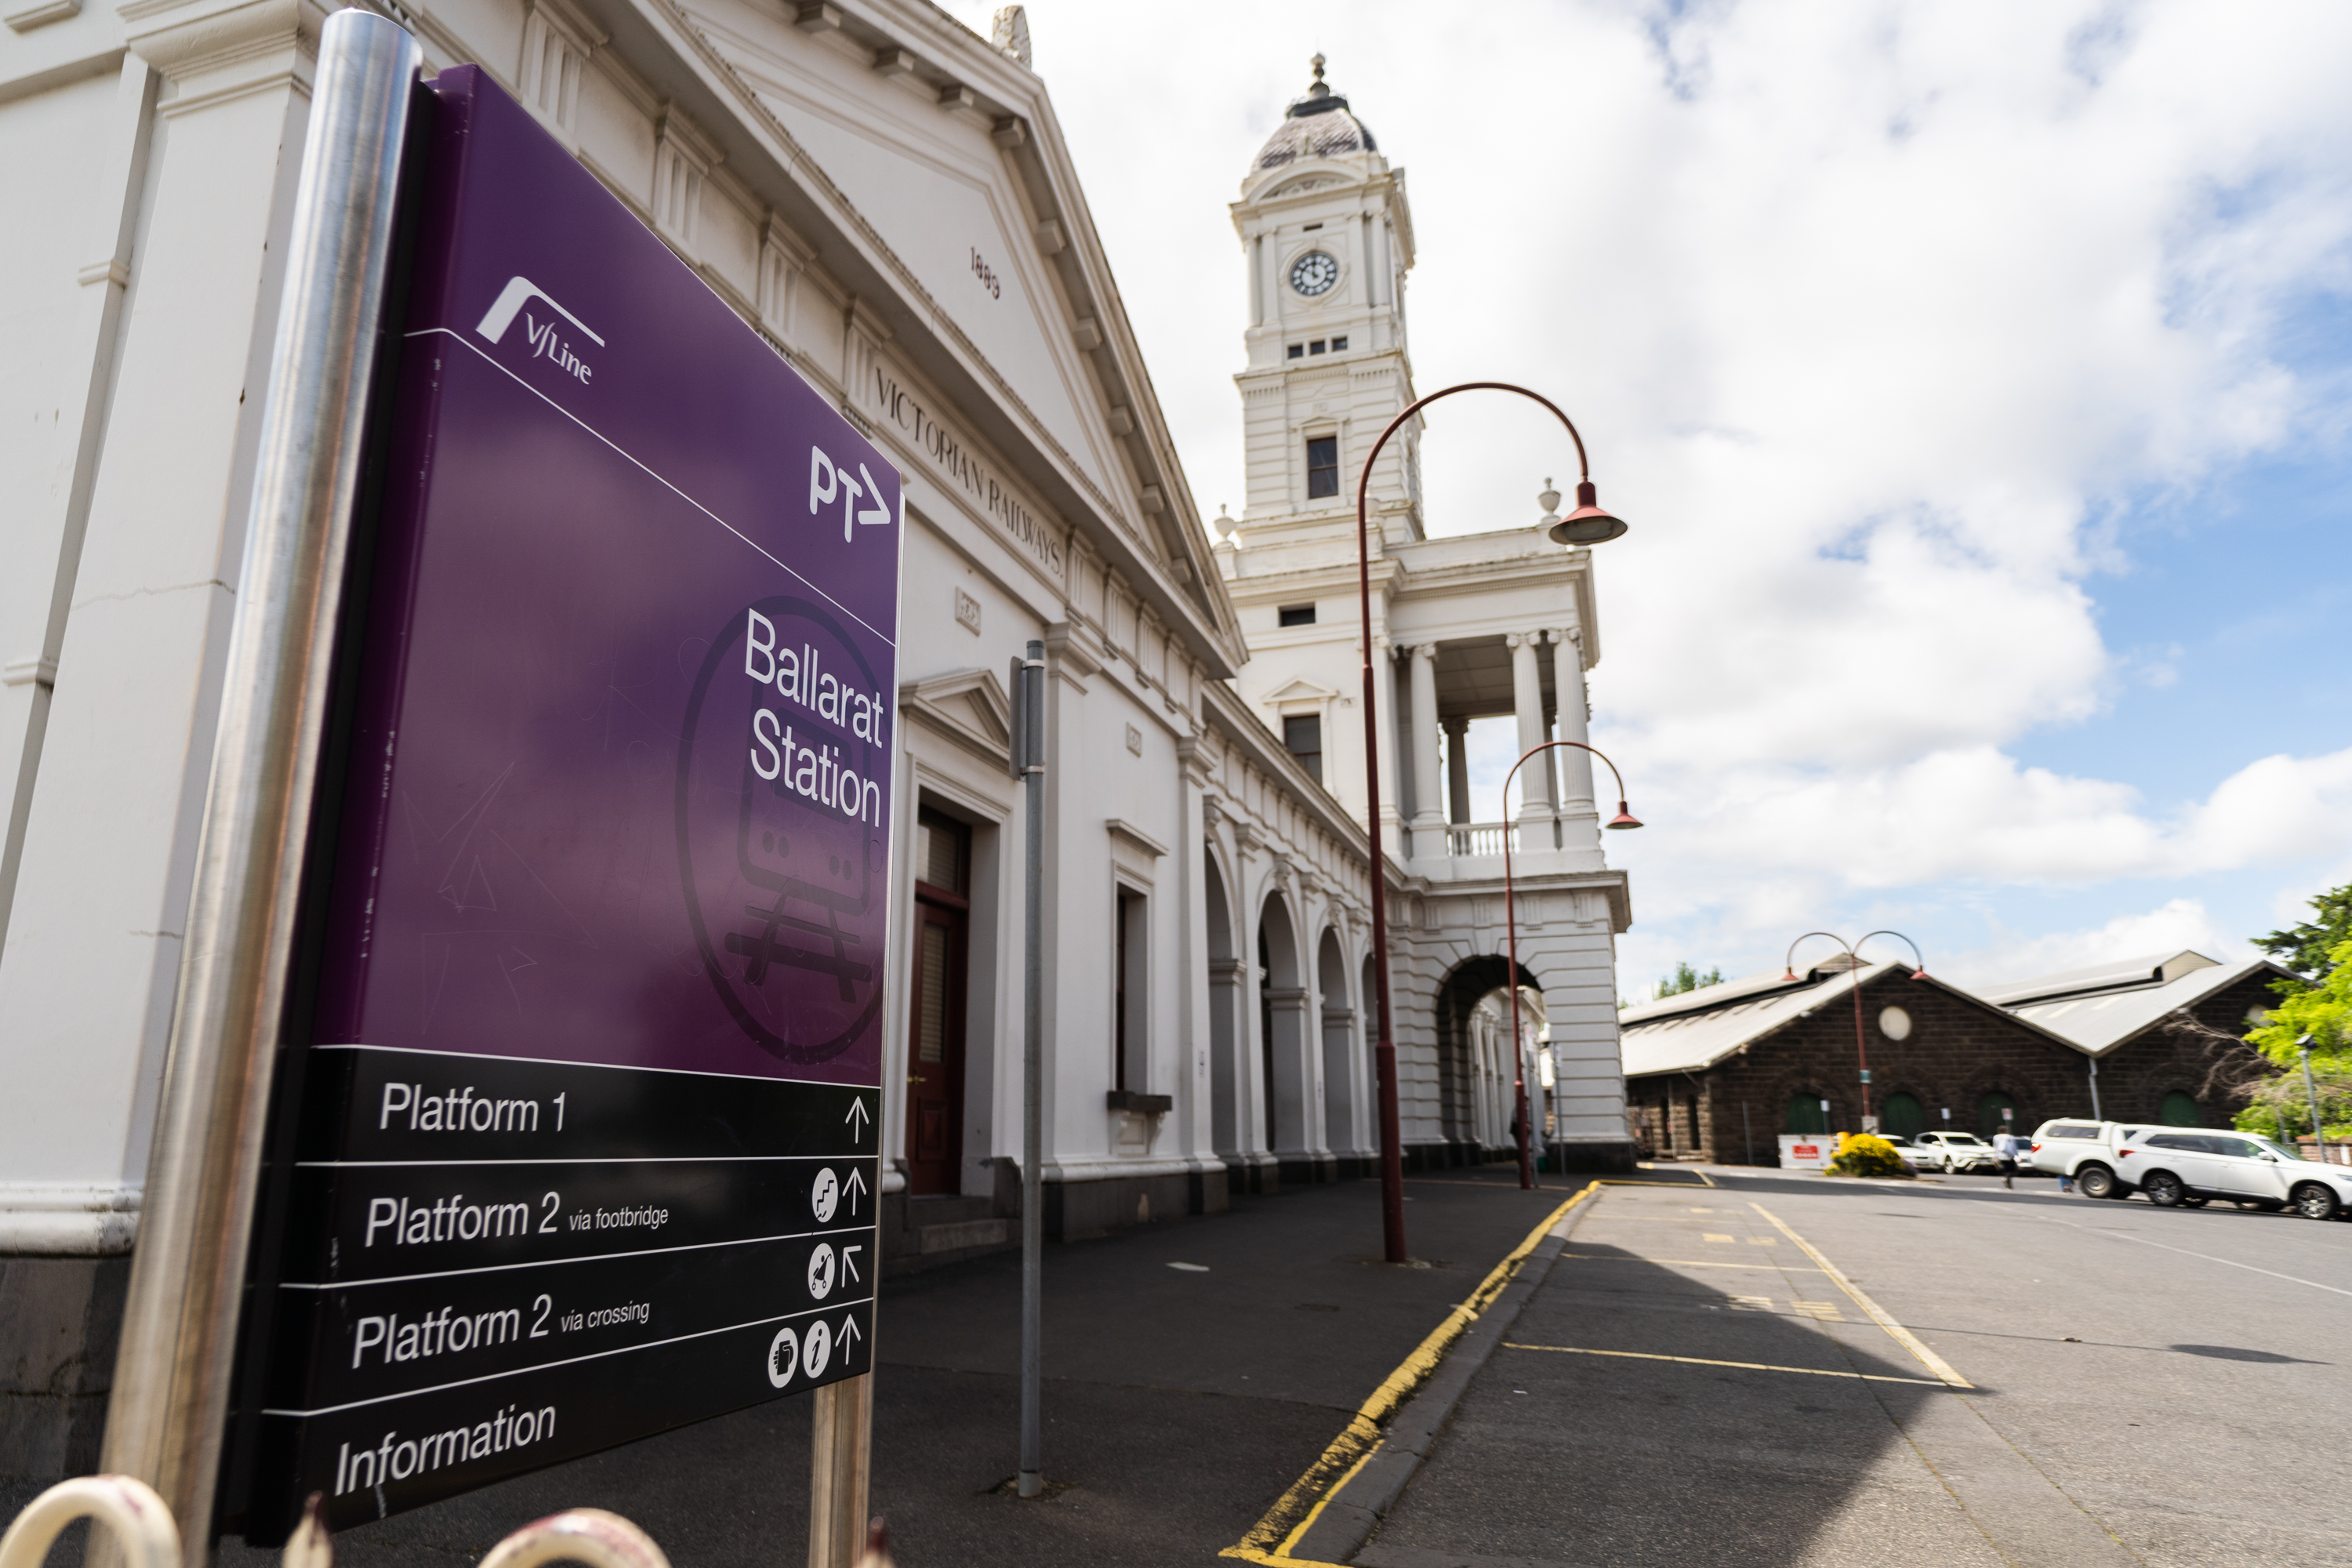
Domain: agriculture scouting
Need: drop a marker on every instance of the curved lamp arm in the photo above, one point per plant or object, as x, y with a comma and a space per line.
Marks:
1788, 966
1511, 926
1918, 964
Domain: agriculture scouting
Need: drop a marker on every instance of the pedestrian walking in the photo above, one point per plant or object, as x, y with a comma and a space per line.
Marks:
2004, 1144
2065, 1183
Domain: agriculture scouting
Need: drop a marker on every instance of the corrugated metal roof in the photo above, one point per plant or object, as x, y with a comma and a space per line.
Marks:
2150, 968
1685, 1034
2099, 1024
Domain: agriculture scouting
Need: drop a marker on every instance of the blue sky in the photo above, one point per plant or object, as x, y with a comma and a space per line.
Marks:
1978, 380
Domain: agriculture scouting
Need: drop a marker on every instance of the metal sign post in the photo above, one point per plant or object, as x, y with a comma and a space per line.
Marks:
173, 1371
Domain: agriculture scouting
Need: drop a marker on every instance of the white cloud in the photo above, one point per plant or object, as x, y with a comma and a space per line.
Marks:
1875, 317
2175, 925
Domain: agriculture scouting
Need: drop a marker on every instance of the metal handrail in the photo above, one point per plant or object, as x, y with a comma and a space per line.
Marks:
130, 1509
141, 1523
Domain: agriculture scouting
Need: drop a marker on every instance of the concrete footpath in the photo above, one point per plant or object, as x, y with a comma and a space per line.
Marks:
1181, 1402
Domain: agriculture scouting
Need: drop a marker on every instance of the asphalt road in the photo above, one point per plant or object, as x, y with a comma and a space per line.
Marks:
2154, 1387
2148, 1386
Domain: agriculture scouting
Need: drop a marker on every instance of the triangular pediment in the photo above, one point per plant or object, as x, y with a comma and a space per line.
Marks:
1299, 690
969, 706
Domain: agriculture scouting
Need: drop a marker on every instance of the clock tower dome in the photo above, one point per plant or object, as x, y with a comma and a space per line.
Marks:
1328, 237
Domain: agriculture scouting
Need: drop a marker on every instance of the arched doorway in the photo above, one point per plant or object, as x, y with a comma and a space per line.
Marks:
1227, 1084
1459, 1077
1282, 1001
1339, 1093
1903, 1116
2180, 1110
1997, 1114
1806, 1116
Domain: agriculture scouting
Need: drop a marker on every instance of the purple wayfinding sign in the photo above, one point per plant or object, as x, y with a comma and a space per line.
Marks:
584, 1142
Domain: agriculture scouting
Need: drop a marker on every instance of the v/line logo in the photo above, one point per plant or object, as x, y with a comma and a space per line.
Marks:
544, 342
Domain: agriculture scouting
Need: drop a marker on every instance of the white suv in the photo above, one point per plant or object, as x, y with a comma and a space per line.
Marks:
2082, 1150
1952, 1151
2193, 1165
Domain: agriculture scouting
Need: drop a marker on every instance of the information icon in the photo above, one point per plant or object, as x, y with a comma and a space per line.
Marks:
826, 1197
820, 1348
784, 1354
820, 1273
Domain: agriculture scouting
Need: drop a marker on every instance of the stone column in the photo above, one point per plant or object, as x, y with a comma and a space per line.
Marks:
1385, 739
1428, 819
1579, 819
1194, 1122
1527, 700
1457, 772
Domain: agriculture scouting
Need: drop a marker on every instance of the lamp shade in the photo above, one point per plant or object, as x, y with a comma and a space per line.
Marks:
1588, 524
1623, 818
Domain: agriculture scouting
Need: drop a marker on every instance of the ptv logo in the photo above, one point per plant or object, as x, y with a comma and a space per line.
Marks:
544, 342
829, 481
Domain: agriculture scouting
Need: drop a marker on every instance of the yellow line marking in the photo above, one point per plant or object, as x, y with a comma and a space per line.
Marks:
1901, 1335
1742, 1365
1639, 1166
1680, 1262
1353, 1447
1712, 1236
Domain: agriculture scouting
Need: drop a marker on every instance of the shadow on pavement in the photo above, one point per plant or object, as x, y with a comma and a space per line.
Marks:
1558, 1457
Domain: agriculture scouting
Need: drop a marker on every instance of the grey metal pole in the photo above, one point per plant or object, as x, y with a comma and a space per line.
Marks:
1033, 1078
2095, 1090
2311, 1087
179, 1332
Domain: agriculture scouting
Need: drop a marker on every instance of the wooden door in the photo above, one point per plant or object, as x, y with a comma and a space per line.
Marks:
936, 1013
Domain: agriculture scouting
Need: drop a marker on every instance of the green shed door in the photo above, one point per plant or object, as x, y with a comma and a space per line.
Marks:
1904, 1116
2180, 1110
1990, 1123
1805, 1117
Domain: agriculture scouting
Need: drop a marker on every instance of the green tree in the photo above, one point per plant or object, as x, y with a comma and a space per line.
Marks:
2310, 949
1686, 979
2323, 1015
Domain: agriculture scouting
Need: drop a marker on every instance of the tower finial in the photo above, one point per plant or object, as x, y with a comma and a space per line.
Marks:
1318, 67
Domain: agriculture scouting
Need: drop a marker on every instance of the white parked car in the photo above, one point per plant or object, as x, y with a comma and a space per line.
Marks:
2083, 1150
2193, 1165
1949, 1152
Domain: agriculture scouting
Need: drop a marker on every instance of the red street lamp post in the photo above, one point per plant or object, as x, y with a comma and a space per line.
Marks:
1853, 956
1588, 524
1623, 819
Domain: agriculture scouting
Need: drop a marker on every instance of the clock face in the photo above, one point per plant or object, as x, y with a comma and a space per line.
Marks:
1314, 273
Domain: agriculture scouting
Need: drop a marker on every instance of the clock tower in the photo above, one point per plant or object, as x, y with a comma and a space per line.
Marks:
1327, 234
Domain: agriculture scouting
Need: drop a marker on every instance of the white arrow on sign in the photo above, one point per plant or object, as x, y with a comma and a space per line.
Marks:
856, 1189
849, 1260
848, 1333
869, 517
856, 1120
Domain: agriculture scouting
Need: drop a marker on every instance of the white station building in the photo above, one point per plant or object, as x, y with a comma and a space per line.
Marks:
889, 199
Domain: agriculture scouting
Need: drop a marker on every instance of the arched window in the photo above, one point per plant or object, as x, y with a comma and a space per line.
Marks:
1904, 1116
2180, 1110
1805, 1115
1996, 1114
